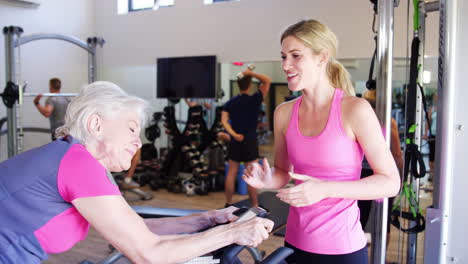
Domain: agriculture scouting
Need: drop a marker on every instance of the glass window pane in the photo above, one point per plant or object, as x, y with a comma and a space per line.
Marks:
209, 2
142, 4
148, 4
166, 2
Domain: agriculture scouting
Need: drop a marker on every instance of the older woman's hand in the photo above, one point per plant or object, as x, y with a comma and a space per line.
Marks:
222, 216
251, 232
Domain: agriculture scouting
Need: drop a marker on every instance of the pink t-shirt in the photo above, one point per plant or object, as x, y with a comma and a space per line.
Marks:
332, 225
79, 175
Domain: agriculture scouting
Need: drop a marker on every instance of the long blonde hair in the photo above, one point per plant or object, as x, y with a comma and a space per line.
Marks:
319, 37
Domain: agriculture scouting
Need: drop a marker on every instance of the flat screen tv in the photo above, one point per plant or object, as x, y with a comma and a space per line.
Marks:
186, 77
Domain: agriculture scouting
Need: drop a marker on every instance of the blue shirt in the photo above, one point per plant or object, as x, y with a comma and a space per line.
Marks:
37, 188
243, 112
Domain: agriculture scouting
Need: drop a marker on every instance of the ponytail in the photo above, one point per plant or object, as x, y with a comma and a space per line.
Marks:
339, 77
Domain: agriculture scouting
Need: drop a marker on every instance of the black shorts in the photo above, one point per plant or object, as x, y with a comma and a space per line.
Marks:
244, 151
432, 142
300, 256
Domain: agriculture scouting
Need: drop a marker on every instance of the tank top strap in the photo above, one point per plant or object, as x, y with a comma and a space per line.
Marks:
295, 114
335, 111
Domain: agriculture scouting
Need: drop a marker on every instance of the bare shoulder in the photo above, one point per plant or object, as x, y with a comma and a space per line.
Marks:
285, 109
283, 113
355, 107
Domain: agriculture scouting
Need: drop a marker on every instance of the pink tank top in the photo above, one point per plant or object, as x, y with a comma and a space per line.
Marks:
332, 225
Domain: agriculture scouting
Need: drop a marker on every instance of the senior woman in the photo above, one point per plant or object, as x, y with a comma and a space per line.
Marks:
50, 195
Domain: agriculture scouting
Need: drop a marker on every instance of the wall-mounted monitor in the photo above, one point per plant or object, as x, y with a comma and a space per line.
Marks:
186, 77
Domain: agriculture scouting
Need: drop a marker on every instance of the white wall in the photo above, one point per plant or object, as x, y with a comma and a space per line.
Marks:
42, 60
245, 30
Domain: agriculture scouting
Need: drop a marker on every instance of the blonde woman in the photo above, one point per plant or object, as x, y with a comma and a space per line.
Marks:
320, 141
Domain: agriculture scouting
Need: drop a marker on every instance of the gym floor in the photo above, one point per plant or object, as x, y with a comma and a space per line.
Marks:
95, 248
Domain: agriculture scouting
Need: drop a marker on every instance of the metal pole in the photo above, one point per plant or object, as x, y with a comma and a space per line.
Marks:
50, 94
92, 69
438, 217
92, 64
11, 35
383, 111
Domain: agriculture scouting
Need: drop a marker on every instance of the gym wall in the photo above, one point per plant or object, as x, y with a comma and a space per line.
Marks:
245, 30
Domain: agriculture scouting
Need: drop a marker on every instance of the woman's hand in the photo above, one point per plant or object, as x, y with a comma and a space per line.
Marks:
310, 191
256, 174
251, 232
222, 216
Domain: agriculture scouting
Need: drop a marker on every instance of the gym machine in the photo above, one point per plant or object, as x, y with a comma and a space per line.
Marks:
14, 93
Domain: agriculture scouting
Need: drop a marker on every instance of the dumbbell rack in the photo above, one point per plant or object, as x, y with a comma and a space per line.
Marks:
186, 154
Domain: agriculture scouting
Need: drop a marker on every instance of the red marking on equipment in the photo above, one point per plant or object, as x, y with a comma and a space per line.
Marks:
238, 63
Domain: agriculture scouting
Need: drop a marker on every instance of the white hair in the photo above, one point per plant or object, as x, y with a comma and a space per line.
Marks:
101, 98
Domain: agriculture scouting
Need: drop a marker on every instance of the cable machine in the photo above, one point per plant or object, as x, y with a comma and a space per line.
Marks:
14, 93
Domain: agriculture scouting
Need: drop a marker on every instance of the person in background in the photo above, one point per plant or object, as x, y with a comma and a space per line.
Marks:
54, 107
240, 118
128, 179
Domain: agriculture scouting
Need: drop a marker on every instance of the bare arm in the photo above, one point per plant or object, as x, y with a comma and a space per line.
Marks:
177, 225
264, 79
132, 237
45, 110
190, 223
395, 146
385, 182
280, 176
134, 164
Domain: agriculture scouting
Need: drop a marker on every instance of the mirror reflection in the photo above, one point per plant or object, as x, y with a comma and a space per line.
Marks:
358, 69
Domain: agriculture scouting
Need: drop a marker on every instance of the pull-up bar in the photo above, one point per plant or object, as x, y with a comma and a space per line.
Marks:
50, 94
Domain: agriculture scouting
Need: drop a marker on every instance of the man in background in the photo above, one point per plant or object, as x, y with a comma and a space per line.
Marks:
55, 107
240, 119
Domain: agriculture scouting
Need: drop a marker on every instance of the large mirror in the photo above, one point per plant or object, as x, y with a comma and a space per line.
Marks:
358, 69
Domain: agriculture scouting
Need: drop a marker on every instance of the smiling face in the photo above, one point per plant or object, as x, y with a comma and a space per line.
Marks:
120, 140
301, 65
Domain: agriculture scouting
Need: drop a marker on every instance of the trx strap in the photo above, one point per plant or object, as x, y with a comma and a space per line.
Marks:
413, 156
414, 215
428, 120
371, 84
414, 163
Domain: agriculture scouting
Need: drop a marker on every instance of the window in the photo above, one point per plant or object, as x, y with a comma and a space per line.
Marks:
137, 5
209, 2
